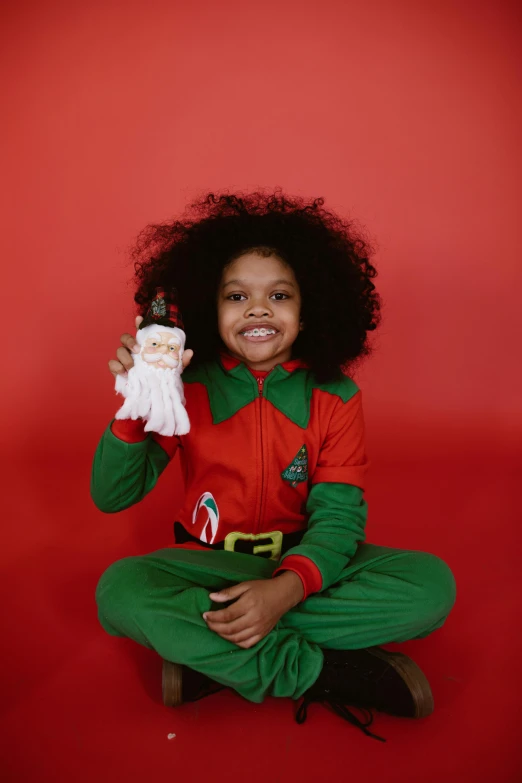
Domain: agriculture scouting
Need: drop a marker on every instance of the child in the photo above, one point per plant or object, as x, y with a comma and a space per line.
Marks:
268, 588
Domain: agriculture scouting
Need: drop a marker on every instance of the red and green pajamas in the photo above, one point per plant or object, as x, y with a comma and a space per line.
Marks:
267, 453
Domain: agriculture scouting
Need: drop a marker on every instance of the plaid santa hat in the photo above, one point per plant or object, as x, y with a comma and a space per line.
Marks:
163, 311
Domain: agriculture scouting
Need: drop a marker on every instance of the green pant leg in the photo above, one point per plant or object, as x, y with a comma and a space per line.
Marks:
384, 595
159, 599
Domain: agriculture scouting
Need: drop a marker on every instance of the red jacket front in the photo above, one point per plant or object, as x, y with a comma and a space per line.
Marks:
266, 452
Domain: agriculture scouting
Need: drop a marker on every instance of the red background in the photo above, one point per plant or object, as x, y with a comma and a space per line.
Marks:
406, 117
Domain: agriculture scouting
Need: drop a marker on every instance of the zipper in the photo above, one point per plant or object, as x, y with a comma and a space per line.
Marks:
260, 385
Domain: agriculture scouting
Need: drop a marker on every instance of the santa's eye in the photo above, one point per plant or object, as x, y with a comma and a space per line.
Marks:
154, 345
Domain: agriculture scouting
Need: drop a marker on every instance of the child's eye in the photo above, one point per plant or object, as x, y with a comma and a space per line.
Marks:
281, 295
232, 297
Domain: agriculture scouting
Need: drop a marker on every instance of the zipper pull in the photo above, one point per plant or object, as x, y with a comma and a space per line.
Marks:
260, 382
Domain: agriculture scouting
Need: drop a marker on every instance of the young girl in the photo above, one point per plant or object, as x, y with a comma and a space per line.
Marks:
268, 587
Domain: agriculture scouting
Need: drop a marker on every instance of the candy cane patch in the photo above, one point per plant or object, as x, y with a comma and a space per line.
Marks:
208, 503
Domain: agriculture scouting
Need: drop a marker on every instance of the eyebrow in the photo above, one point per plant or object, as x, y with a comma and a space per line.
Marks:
280, 281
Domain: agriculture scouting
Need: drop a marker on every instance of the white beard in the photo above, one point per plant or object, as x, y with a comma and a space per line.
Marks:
156, 395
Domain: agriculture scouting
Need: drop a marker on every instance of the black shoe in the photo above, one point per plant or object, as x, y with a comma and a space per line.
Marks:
370, 678
181, 684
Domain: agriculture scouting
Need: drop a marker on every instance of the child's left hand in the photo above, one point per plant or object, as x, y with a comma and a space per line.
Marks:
259, 606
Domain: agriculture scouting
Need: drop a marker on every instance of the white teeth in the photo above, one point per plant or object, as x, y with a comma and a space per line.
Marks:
262, 332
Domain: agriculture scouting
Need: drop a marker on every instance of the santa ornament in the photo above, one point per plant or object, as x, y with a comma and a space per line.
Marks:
153, 389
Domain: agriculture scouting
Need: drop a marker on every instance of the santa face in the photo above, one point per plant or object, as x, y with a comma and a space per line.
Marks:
153, 389
161, 349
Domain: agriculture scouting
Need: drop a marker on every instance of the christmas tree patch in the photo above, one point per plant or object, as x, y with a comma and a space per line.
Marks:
297, 471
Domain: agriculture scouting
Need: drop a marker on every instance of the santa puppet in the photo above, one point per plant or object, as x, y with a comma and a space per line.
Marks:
153, 389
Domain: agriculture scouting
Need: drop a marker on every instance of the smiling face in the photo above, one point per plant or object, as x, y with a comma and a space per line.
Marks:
258, 306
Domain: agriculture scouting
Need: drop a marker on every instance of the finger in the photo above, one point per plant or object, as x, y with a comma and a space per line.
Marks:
139, 319
130, 342
125, 358
227, 615
242, 636
116, 367
234, 628
229, 593
250, 642
187, 356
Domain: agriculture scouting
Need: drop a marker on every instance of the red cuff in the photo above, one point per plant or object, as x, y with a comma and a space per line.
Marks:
129, 430
169, 443
133, 431
306, 570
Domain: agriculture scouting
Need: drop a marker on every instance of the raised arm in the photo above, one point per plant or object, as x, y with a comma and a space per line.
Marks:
127, 464
128, 461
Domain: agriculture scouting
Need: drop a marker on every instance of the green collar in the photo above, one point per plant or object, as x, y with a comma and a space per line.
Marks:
289, 392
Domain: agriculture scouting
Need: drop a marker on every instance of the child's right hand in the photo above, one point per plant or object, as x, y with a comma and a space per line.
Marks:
124, 362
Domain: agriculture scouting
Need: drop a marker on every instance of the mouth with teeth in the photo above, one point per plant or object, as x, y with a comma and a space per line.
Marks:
258, 335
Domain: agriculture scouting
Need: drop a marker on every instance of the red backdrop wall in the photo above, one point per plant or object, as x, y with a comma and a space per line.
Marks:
407, 118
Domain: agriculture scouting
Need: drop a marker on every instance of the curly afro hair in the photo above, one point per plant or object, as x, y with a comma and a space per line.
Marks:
329, 258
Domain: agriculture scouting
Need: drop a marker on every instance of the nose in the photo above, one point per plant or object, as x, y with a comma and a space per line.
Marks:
258, 310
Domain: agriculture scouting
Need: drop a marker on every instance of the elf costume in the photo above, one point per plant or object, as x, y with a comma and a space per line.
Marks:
275, 468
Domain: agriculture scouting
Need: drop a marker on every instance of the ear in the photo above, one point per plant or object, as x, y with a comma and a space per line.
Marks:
301, 325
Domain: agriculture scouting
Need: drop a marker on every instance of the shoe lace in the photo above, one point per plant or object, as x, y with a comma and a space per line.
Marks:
342, 710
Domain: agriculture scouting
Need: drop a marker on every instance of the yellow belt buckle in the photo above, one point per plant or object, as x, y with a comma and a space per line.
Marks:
275, 547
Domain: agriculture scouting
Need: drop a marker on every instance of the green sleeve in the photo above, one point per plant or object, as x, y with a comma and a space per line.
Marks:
336, 523
123, 473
